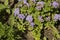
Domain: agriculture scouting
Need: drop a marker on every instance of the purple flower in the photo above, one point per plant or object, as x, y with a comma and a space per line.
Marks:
32, 24
21, 16
27, 4
40, 5
24, 1
47, 18
40, 18
56, 17
55, 4
29, 18
16, 11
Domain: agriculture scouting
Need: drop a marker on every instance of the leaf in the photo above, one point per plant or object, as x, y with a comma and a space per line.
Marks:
2, 6
23, 10
11, 20
20, 27
2, 30
30, 9
8, 11
44, 38
6, 3
30, 28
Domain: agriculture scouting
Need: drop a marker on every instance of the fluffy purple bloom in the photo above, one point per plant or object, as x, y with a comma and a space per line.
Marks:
25, 1
47, 18
40, 5
55, 4
56, 17
29, 18
16, 11
27, 4
40, 18
21, 16
32, 24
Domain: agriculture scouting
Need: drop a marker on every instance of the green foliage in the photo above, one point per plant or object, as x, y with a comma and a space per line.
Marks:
6, 3
2, 30
14, 24
2, 6
8, 11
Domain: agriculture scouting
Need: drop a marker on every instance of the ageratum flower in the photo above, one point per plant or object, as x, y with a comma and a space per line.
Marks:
16, 11
26, 3
55, 4
32, 24
56, 17
29, 18
40, 18
21, 16
40, 5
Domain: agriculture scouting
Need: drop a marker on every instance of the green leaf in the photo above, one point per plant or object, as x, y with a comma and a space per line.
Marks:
11, 20
20, 27
2, 6
30, 28
44, 38
2, 30
8, 11
30, 9
6, 2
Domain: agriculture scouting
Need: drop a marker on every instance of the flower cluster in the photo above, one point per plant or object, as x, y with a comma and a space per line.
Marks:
42, 20
29, 18
16, 13
39, 6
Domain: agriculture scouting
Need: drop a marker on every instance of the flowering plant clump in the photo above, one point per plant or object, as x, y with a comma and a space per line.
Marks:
29, 20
